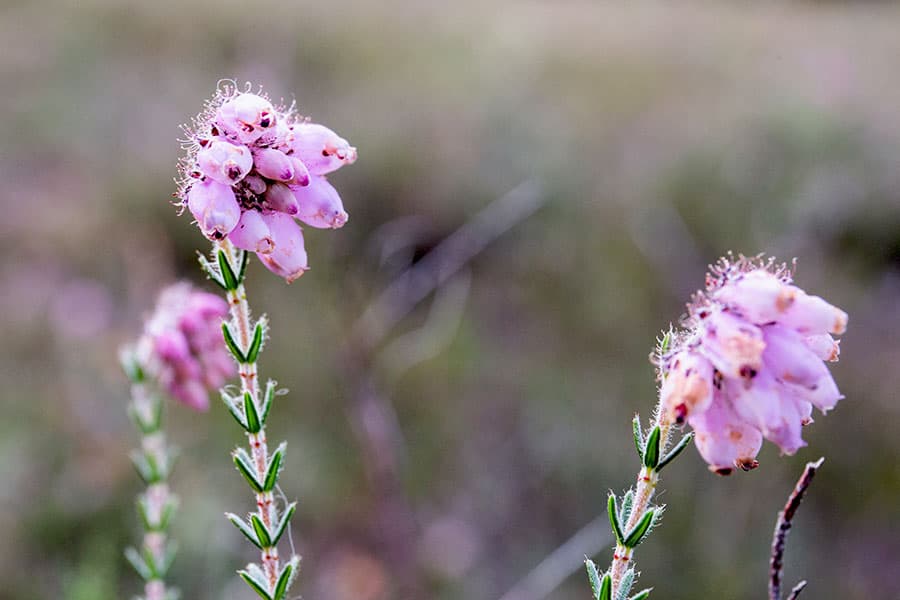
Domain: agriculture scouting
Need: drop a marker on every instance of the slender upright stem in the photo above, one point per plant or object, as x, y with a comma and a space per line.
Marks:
244, 338
249, 374
157, 503
645, 487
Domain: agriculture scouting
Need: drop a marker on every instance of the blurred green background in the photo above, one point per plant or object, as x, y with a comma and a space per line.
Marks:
486, 427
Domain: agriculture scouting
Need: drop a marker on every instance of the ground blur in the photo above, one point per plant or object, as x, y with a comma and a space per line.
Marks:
655, 138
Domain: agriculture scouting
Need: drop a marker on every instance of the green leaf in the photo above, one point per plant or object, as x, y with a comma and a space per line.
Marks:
606, 587
274, 468
259, 332
211, 271
232, 345
268, 398
146, 466
228, 276
242, 526
250, 414
625, 585
138, 563
165, 516
638, 436
283, 523
651, 449
150, 561
642, 595
262, 532
627, 501
613, 512
593, 576
244, 464
168, 557
233, 408
256, 581
131, 366
285, 578
243, 259
674, 452
640, 530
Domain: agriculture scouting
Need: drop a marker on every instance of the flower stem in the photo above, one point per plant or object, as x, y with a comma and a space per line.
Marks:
244, 338
157, 503
645, 487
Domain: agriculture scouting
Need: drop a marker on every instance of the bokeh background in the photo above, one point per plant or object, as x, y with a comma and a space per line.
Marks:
480, 431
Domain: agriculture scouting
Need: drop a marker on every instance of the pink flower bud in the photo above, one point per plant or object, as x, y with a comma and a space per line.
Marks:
255, 184
321, 149
758, 295
688, 387
215, 208
731, 344
247, 116
252, 233
289, 259
724, 440
824, 346
301, 173
320, 205
280, 198
224, 162
274, 164
812, 315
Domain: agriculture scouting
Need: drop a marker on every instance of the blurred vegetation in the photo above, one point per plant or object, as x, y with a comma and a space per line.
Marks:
661, 137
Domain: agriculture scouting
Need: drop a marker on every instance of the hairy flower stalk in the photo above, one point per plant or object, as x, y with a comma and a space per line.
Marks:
747, 364
633, 516
244, 338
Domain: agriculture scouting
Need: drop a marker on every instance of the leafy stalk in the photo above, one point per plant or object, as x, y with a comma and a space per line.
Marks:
632, 523
157, 504
245, 339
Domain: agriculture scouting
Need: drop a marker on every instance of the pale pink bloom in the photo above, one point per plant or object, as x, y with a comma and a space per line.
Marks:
248, 116
248, 159
321, 149
252, 233
724, 439
824, 346
760, 342
280, 198
215, 207
181, 346
688, 387
288, 260
274, 164
320, 205
224, 162
731, 344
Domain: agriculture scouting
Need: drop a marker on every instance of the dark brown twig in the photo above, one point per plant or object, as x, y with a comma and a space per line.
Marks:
782, 526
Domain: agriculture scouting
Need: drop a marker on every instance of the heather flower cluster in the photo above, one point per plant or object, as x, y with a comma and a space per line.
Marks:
182, 345
252, 168
751, 363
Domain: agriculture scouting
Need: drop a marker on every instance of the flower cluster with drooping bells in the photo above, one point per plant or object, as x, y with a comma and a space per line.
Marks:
750, 362
252, 168
182, 345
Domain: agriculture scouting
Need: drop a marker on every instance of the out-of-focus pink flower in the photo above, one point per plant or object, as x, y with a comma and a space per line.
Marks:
182, 345
246, 156
749, 363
